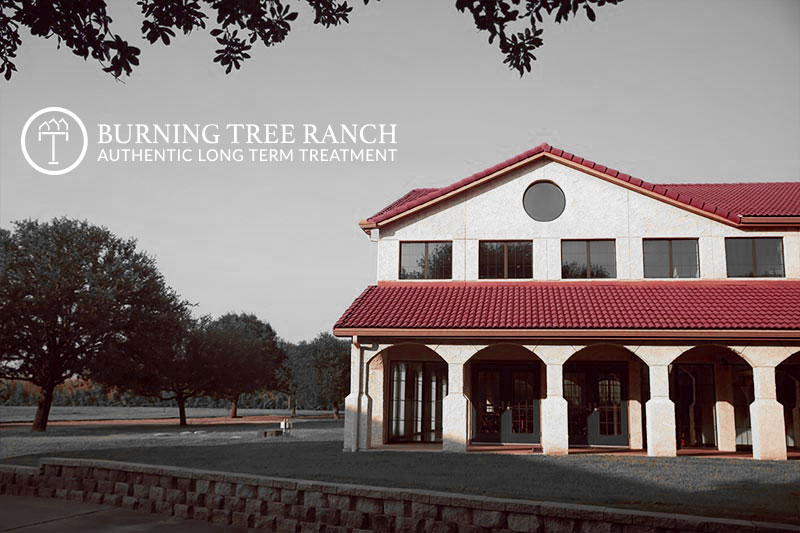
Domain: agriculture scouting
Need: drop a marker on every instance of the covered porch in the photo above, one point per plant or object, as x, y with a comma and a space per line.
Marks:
660, 398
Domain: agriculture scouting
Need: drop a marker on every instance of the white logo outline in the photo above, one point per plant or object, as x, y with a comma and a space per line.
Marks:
52, 136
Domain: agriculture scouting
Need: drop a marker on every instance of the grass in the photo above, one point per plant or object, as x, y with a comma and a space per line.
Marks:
730, 488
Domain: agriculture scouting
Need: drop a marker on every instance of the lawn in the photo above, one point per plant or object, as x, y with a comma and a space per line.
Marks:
732, 488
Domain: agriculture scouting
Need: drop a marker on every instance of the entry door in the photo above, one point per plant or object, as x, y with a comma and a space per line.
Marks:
597, 407
506, 404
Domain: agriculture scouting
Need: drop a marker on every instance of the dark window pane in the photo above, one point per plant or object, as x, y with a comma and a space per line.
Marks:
573, 259
769, 257
520, 260
499, 260
412, 260
684, 259
602, 256
440, 260
739, 257
670, 258
656, 258
490, 260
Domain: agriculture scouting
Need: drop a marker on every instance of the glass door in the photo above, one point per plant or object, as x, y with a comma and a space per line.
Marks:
417, 392
505, 403
597, 407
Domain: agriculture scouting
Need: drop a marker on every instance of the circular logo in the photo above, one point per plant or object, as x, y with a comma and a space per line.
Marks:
54, 141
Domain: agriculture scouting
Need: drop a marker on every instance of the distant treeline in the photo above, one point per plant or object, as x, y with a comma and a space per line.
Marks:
93, 394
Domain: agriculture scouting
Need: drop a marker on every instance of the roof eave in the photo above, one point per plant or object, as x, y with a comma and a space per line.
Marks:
571, 334
770, 220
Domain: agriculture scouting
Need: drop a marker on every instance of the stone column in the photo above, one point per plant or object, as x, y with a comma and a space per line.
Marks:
766, 413
766, 417
375, 387
357, 403
659, 409
726, 421
796, 414
455, 411
636, 440
555, 429
660, 415
555, 432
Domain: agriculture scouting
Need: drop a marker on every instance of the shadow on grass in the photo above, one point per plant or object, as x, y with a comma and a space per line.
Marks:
730, 488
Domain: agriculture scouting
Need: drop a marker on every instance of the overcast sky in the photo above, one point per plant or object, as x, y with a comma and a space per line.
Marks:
666, 91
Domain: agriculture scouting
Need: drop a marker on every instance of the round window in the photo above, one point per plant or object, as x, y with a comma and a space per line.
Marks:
544, 201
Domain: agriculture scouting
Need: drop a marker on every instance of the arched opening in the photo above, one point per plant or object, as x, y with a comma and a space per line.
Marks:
787, 382
605, 387
712, 389
415, 381
504, 384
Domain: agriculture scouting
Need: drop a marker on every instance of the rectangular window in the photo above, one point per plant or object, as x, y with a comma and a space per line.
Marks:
588, 259
671, 258
426, 260
505, 260
760, 257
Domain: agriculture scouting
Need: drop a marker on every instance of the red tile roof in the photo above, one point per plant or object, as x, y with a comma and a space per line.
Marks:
728, 200
749, 304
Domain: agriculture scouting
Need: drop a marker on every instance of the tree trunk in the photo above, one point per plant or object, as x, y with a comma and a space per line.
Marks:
43, 408
235, 408
181, 409
294, 405
336, 411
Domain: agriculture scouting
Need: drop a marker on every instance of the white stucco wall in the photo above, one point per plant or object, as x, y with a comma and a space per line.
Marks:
595, 209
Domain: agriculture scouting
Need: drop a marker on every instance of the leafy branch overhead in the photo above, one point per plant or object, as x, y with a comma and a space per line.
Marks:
84, 26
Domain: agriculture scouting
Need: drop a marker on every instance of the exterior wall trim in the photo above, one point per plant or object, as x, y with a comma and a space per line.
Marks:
568, 334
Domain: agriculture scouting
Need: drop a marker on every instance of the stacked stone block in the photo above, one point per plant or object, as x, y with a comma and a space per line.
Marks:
296, 506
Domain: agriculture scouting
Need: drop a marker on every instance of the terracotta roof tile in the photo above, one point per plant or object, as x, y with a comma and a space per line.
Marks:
694, 304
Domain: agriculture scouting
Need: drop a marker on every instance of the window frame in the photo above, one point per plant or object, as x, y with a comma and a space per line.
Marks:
755, 257
426, 265
669, 251
505, 244
589, 257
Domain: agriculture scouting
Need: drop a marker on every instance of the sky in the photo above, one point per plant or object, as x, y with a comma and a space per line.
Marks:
678, 91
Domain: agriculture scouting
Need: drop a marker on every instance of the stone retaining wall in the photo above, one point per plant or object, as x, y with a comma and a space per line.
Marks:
291, 506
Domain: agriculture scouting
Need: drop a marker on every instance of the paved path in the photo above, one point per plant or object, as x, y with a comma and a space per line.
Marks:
28, 515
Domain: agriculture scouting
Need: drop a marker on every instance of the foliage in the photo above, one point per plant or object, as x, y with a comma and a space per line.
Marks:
331, 360
243, 353
167, 361
298, 378
69, 292
84, 26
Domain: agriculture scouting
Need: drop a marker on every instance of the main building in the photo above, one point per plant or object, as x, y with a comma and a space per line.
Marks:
552, 302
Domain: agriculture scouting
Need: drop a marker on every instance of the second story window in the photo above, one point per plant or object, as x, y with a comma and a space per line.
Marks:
588, 259
505, 260
426, 260
670, 258
757, 257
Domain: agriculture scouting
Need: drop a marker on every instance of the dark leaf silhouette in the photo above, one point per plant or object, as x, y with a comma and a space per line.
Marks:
84, 26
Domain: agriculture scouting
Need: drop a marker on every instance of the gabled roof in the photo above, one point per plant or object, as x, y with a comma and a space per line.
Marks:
731, 203
553, 308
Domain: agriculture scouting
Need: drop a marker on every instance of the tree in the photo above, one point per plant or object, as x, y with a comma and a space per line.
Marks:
331, 360
168, 361
298, 376
85, 27
69, 291
245, 355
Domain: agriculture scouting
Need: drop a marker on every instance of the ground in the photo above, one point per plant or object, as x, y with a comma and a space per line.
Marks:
40, 515
732, 488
